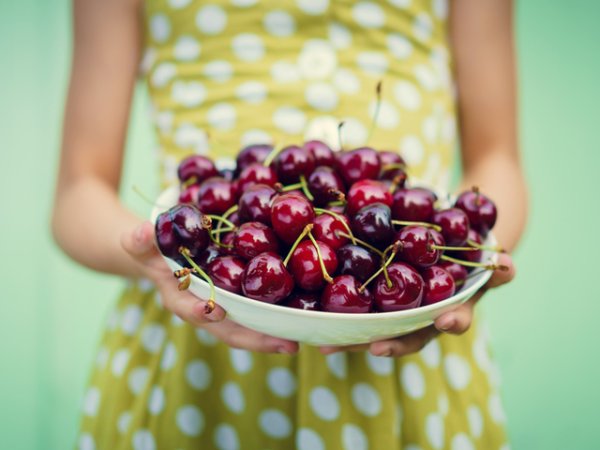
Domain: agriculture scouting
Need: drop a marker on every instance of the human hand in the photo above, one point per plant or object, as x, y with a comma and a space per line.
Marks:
456, 321
140, 245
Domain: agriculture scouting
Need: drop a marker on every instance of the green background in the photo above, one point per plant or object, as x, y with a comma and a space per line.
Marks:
543, 326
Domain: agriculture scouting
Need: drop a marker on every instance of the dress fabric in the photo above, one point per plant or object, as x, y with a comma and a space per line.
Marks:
224, 74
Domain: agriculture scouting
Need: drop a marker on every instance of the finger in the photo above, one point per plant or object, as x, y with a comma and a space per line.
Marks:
404, 345
330, 349
139, 242
457, 321
187, 306
238, 336
499, 276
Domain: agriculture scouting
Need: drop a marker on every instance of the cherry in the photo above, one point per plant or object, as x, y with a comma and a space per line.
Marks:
208, 255
290, 213
480, 209
255, 153
343, 296
373, 224
189, 194
357, 261
416, 204
266, 279
405, 292
455, 225
392, 167
226, 272
473, 255
439, 285
458, 272
304, 300
255, 204
256, 173
358, 164
415, 246
305, 266
197, 167
228, 174
325, 185
292, 163
321, 152
367, 192
215, 196
327, 228
228, 240
234, 218
181, 226
254, 238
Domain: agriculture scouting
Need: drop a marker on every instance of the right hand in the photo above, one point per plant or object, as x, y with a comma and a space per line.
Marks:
140, 244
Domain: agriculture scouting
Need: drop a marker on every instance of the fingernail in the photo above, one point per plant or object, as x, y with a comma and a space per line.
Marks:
446, 323
385, 352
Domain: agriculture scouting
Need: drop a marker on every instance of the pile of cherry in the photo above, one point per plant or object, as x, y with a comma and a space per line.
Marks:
307, 227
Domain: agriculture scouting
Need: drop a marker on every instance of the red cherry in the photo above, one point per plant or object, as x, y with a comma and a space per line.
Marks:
343, 296
226, 273
455, 225
391, 167
255, 153
415, 246
256, 173
215, 196
290, 213
327, 227
305, 267
406, 289
439, 285
181, 226
254, 238
325, 185
373, 224
292, 162
480, 210
304, 300
321, 152
208, 255
189, 194
458, 272
357, 261
367, 192
415, 204
228, 240
198, 167
255, 204
266, 279
472, 255
358, 164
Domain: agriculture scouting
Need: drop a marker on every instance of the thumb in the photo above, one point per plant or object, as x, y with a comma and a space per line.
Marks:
139, 242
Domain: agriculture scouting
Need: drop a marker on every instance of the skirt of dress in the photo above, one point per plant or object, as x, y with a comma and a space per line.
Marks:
161, 384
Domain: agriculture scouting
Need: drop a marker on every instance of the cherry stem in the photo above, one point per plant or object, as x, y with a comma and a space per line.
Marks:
189, 182
486, 266
218, 231
290, 187
477, 245
393, 166
144, 197
306, 230
226, 214
475, 190
184, 284
210, 304
207, 225
271, 156
304, 186
382, 269
326, 275
360, 242
396, 182
339, 219
340, 143
376, 112
420, 224
220, 219
457, 249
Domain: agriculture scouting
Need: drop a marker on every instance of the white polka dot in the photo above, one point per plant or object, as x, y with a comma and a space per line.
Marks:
317, 60
251, 91
387, 117
373, 63
495, 408
289, 119
313, 7
211, 19
169, 357
143, 440
169, 167
366, 399
279, 23
119, 362
448, 131
190, 420
189, 94
422, 26
285, 72
354, 133
407, 95
131, 319
411, 149
275, 424
338, 364
412, 447
431, 354
248, 47
241, 360
189, 137
176, 321
412, 380
160, 27
307, 439
399, 46
156, 400
162, 74
461, 442
164, 122
178, 4
434, 428
102, 358
443, 405
91, 401
255, 136
137, 379
440, 8
205, 337
457, 370
321, 96
481, 355
323, 128
86, 442
426, 77
475, 421
398, 421
505, 447
222, 116
218, 71
324, 403
198, 374
430, 129
346, 82
153, 336
340, 36
113, 319
353, 438
244, 3
368, 15
281, 381
379, 364
123, 422
186, 48
226, 438
401, 3
233, 397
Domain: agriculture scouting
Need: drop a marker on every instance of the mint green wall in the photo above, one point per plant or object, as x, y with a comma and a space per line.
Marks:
544, 326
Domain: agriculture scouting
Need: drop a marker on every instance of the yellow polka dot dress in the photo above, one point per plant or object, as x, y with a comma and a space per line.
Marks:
227, 73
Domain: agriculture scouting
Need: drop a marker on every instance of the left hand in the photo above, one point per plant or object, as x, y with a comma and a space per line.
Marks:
456, 321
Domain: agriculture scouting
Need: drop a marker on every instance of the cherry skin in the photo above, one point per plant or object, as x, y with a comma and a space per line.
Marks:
406, 289
290, 213
228, 239
226, 273
256, 173
343, 296
189, 194
357, 261
208, 255
470, 255
358, 164
416, 204
255, 153
373, 224
388, 158
415, 246
455, 225
327, 228
254, 238
366, 192
181, 226
255, 204
266, 279
325, 185
197, 167
439, 285
458, 272
321, 152
304, 300
305, 268
480, 209
216, 195
292, 162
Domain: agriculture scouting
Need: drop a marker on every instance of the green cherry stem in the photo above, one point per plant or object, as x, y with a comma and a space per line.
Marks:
326, 275
304, 186
376, 112
226, 214
449, 248
219, 231
360, 242
339, 130
306, 230
489, 248
383, 270
271, 156
350, 236
210, 304
220, 219
486, 266
144, 197
420, 224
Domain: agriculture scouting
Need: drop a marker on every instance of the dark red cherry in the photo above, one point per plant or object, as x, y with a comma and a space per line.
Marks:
416, 204
216, 195
228, 174
390, 167
327, 228
415, 246
304, 300
254, 238
470, 255
290, 213
459, 273
325, 185
208, 255
406, 289
228, 240
358, 164
266, 279
189, 194
226, 273
480, 209
256, 173
373, 224
305, 267
367, 192
255, 153
321, 152
198, 167
357, 261
343, 296
234, 218
255, 204
455, 225
292, 162
181, 226
439, 285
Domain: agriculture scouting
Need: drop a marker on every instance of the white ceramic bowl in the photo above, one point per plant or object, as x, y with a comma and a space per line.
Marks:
318, 327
